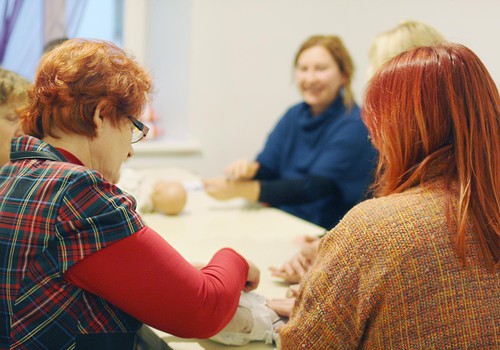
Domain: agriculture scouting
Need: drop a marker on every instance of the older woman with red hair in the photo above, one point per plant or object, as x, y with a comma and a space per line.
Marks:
418, 266
79, 268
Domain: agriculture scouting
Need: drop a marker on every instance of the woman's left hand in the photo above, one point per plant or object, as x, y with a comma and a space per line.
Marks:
221, 188
224, 189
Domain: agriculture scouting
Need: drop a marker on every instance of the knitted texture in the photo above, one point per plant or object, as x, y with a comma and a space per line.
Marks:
388, 277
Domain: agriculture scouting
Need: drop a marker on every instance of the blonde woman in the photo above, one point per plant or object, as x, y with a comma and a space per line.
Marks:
405, 36
13, 95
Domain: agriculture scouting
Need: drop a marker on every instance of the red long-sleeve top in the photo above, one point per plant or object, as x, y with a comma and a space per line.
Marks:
147, 278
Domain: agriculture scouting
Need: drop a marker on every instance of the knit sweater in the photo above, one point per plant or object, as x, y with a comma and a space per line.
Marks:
388, 277
331, 146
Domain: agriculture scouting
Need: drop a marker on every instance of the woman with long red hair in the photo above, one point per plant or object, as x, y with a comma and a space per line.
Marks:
418, 266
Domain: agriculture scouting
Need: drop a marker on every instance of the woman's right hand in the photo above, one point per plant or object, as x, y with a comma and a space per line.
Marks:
294, 269
253, 277
282, 306
241, 170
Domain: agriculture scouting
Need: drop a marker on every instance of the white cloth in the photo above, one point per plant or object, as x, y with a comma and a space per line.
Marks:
241, 329
134, 183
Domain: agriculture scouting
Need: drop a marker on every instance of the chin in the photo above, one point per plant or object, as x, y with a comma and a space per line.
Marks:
312, 101
112, 178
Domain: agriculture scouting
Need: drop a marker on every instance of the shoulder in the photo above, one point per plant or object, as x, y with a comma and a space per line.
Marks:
73, 175
291, 117
396, 218
90, 189
352, 116
345, 121
297, 108
353, 111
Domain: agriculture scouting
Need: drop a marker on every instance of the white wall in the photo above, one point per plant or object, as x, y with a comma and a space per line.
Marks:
233, 67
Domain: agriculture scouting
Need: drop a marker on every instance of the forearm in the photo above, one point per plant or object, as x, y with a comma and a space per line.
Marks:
249, 190
293, 191
147, 278
264, 173
224, 189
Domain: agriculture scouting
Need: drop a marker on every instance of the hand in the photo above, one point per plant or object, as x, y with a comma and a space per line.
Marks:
305, 239
282, 306
241, 170
253, 277
310, 250
294, 270
293, 291
220, 188
224, 189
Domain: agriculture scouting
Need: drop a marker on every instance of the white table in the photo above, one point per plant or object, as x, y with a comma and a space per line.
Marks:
266, 236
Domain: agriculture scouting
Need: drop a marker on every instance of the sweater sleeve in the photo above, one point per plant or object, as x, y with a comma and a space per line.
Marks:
293, 191
147, 278
330, 310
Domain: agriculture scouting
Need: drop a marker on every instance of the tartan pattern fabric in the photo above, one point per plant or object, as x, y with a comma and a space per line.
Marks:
52, 215
387, 277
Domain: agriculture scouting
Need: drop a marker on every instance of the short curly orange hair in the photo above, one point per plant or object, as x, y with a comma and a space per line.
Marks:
74, 79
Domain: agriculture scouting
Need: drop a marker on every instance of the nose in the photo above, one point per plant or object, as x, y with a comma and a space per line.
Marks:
130, 152
309, 76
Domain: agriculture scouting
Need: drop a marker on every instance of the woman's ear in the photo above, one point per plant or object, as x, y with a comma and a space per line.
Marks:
98, 119
344, 79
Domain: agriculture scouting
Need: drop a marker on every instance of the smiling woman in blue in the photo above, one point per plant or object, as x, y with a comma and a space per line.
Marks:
317, 162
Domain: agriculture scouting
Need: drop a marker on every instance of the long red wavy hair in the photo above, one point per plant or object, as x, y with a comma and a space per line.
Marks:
74, 79
435, 111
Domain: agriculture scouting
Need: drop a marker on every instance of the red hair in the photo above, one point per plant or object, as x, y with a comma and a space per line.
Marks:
435, 111
76, 78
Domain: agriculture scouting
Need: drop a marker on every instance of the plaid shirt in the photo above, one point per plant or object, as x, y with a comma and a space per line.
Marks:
53, 214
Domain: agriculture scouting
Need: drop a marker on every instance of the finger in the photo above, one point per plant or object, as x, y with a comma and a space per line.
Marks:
294, 288
279, 273
296, 265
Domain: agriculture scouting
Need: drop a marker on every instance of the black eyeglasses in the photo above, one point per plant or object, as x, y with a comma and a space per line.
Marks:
140, 130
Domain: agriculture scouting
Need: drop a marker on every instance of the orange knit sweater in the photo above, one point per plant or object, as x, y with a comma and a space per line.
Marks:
387, 277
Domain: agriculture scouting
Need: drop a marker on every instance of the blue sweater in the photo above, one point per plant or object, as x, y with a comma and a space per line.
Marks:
317, 167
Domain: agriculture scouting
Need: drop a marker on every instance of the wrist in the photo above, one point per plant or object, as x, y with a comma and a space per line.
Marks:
249, 190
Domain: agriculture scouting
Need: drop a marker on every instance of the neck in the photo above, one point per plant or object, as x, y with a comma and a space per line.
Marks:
78, 145
317, 110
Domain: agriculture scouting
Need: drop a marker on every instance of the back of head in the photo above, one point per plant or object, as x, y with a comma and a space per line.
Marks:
405, 36
13, 88
77, 77
334, 45
435, 111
